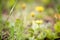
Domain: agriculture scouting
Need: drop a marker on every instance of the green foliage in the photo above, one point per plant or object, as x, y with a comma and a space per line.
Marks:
0, 17
58, 8
46, 2
19, 29
10, 3
49, 34
1, 11
11, 33
57, 26
31, 31
39, 16
49, 12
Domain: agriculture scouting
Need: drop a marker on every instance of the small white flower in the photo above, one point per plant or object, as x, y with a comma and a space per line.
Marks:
34, 25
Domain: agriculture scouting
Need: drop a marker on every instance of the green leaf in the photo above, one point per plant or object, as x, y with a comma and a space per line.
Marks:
10, 3
11, 33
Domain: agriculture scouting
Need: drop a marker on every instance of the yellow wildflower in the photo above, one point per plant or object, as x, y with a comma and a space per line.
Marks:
39, 8
23, 6
32, 14
39, 21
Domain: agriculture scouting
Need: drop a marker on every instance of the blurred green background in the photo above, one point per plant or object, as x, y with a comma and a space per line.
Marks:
16, 23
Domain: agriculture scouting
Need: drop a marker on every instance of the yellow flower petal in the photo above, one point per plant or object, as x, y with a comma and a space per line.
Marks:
39, 8
39, 21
